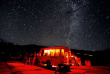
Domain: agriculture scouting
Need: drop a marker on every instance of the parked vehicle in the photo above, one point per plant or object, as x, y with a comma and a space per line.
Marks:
58, 57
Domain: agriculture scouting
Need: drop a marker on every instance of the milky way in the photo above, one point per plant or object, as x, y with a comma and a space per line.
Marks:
77, 24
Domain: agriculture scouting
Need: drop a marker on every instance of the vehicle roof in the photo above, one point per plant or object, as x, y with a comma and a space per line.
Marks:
61, 47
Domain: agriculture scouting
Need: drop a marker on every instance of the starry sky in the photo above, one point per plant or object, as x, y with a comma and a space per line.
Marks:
77, 24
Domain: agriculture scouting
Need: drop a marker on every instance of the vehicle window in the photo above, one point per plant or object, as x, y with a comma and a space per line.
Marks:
46, 53
69, 53
62, 52
52, 52
57, 52
66, 53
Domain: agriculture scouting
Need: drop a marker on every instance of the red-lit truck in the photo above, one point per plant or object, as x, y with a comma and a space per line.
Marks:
58, 57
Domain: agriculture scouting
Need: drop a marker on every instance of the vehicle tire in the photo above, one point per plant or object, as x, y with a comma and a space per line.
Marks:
57, 68
48, 64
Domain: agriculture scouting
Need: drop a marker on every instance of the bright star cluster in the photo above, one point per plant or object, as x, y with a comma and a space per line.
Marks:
77, 24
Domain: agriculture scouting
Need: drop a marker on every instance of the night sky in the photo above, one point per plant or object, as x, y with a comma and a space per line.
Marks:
77, 24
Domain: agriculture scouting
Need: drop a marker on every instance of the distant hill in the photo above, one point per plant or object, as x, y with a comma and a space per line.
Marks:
4, 42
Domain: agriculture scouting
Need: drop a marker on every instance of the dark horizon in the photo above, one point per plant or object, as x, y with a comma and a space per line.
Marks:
10, 44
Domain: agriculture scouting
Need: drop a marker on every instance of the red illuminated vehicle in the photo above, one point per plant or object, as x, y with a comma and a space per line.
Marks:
58, 57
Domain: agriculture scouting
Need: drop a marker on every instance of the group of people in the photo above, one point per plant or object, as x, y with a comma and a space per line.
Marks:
30, 58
